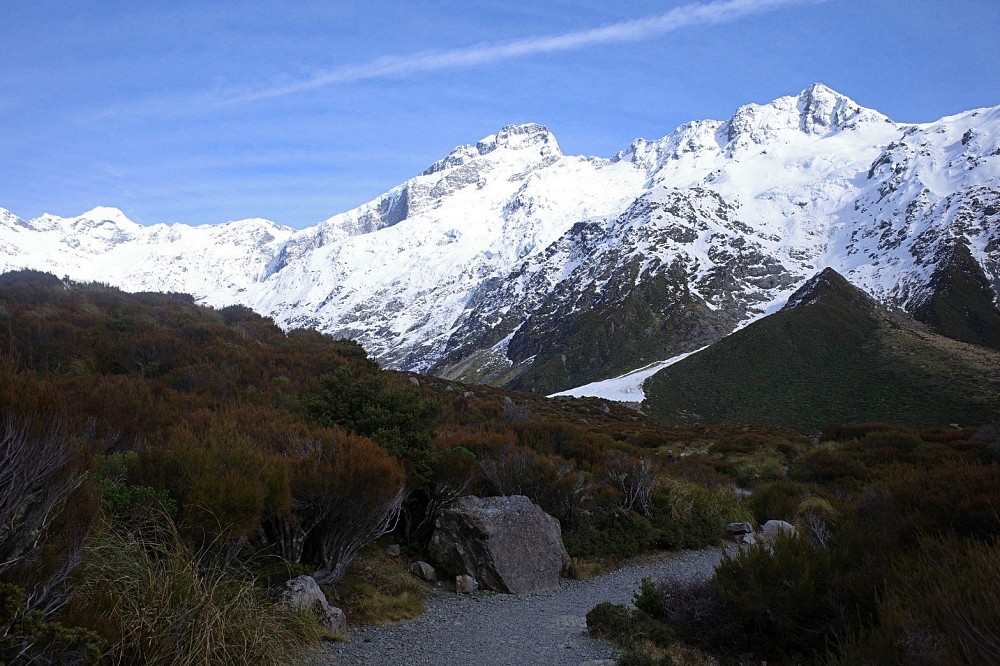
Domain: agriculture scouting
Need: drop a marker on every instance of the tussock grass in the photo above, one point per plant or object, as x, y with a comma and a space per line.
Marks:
167, 604
687, 500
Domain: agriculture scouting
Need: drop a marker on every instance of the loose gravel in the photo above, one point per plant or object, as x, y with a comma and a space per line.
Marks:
548, 628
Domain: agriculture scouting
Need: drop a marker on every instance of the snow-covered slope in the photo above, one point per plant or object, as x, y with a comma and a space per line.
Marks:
508, 261
214, 262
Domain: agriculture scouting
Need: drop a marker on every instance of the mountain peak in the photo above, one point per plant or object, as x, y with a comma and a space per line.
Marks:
521, 137
822, 110
107, 214
511, 137
826, 283
817, 111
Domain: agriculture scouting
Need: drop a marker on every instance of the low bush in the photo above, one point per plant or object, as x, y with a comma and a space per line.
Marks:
700, 468
844, 433
26, 637
696, 610
609, 533
760, 467
627, 628
826, 465
644, 634
784, 599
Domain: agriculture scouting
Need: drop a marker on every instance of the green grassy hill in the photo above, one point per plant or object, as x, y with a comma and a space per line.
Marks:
832, 355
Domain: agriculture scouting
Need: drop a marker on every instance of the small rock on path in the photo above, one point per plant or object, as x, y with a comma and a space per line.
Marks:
547, 629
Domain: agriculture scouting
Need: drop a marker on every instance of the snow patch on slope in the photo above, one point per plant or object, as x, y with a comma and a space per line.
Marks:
625, 388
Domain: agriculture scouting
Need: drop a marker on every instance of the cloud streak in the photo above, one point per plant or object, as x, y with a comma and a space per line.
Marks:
721, 11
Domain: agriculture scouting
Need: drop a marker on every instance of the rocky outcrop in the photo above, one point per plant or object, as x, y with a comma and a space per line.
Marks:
508, 544
304, 593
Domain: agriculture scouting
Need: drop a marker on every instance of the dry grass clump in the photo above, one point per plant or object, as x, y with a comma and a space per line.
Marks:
165, 604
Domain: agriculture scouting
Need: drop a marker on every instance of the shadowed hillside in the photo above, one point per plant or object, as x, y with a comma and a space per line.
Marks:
831, 355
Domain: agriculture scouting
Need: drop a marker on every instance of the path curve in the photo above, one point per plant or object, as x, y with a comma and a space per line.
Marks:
547, 629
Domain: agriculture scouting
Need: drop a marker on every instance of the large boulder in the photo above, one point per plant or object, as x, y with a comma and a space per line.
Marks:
304, 593
508, 544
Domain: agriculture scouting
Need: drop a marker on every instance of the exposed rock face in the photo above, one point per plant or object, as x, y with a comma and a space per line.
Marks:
508, 544
304, 593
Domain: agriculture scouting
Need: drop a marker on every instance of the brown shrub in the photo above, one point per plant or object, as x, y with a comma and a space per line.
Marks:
823, 466
955, 496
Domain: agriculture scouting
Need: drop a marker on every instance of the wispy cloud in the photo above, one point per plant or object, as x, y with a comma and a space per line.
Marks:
721, 11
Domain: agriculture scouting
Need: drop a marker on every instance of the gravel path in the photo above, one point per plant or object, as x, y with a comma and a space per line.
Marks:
547, 629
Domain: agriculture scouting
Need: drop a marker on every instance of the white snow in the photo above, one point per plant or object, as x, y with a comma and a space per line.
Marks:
625, 388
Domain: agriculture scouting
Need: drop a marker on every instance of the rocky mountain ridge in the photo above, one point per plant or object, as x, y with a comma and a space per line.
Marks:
509, 262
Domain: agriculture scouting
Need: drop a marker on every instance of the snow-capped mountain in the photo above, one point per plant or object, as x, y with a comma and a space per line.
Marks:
510, 262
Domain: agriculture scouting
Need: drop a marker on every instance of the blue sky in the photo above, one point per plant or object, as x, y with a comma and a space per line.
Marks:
206, 112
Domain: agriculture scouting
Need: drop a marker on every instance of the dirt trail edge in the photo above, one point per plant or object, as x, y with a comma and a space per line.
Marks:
547, 629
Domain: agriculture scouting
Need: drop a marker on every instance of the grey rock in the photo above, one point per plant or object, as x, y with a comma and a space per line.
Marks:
598, 662
414, 381
393, 550
466, 585
449, 389
304, 593
423, 571
604, 408
772, 528
468, 394
508, 544
507, 400
749, 539
737, 529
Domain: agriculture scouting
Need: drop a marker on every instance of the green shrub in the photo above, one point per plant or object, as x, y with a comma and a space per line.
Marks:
609, 533
844, 433
750, 471
782, 599
895, 439
119, 497
626, 628
381, 408
695, 610
26, 637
